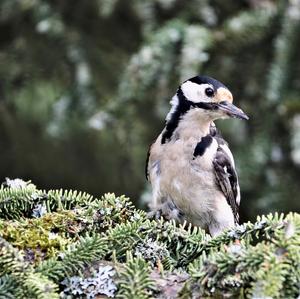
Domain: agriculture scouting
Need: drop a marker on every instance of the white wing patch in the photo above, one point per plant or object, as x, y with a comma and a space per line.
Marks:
228, 152
238, 196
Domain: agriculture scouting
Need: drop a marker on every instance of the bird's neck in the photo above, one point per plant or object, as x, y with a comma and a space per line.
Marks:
183, 122
193, 124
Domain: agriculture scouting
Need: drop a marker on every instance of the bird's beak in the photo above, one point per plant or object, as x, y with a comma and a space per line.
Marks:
231, 110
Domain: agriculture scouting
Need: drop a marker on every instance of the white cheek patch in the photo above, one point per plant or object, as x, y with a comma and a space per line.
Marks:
195, 92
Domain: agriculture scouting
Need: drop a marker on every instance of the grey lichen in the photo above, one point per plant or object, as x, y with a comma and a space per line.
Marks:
101, 282
15, 183
39, 210
152, 251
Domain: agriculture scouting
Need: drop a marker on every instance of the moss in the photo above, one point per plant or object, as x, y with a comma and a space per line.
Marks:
42, 237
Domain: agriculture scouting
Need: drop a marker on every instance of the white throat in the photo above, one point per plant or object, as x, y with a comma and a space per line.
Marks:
193, 124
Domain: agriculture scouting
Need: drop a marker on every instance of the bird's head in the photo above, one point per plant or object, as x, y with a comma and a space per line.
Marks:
210, 97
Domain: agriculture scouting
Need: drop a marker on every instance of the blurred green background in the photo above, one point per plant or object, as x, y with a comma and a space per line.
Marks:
85, 87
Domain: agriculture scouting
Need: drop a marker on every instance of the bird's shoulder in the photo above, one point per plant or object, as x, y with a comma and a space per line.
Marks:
207, 146
216, 134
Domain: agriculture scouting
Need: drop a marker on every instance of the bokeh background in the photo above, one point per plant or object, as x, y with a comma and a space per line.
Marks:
85, 87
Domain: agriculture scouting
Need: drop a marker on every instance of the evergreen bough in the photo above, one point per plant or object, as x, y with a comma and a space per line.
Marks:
136, 257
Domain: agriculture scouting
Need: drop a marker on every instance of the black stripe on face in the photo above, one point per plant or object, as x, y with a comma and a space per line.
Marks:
202, 145
184, 105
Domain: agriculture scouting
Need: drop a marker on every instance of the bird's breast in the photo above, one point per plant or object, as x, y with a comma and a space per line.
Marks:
187, 175
182, 170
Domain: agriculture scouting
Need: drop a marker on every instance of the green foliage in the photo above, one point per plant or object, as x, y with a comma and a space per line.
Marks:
108, 247
134, 279
17, 202
75, 258
6, 287
18, 279
38, 233
86, 111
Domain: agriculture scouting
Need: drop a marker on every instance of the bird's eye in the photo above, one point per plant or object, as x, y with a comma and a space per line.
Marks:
209, 92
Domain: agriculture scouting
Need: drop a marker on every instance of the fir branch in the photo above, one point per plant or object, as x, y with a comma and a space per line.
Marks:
153, 63
285, 48
134, 279
262, 267
253, 259
39, 286
74, 259
248, 26
11, 262
197, 41
7, 287
23, 200
17, 278
18, 202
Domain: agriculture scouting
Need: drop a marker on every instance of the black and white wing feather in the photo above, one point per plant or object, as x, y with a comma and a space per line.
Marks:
226, 178
147, 164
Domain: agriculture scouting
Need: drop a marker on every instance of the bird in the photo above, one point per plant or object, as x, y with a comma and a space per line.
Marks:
190, 166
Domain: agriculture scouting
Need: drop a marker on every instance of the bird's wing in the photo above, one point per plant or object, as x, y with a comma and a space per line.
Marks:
153, 174
226, 177
147, 163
